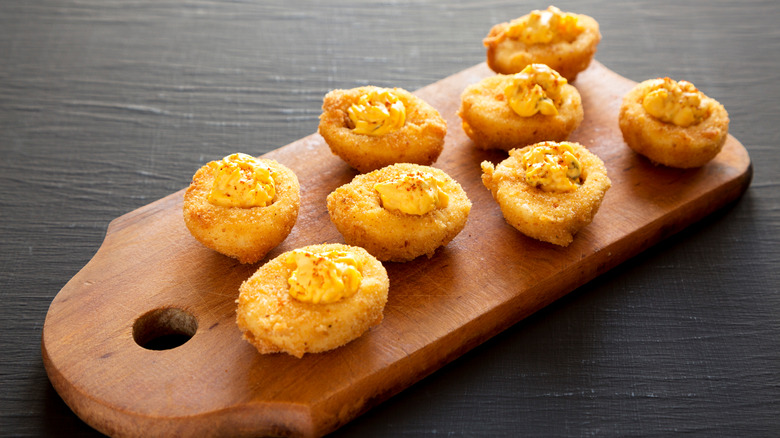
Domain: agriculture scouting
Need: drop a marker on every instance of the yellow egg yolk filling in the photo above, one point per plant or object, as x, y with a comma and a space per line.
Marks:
679, 103
377, 113
323, 278
553, 167
241, 181
543, 27
536, 89
414, 193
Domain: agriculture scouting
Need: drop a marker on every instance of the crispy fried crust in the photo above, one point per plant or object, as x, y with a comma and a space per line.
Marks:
667, 143
492, 124
547, 216
246, 234
356, 211
507, 55
273, 321
419, 141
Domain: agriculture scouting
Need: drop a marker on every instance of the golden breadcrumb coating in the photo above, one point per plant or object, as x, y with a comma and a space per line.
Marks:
357, 212
273, 321
492, 124
420, 140
246, 234
669, 144
548, 216
509, 55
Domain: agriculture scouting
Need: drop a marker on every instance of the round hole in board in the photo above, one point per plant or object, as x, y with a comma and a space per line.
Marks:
164, 329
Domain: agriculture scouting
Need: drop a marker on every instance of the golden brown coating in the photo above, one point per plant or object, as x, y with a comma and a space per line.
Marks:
548, 216
357, 212
420, 140
507, 54
273, 321
667, 143
246, 234
492, 124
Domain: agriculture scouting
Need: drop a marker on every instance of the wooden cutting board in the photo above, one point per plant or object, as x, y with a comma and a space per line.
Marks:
151, 278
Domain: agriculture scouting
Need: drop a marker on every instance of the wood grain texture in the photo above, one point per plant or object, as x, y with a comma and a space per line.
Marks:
487, 279
109, 105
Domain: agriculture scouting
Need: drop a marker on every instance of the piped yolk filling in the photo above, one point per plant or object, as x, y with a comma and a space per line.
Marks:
323, 278
679, 103
415, 193
536, 89
544, 27
377, 113
241, 181
552, 167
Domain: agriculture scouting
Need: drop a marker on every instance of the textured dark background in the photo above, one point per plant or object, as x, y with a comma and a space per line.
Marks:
108, 105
